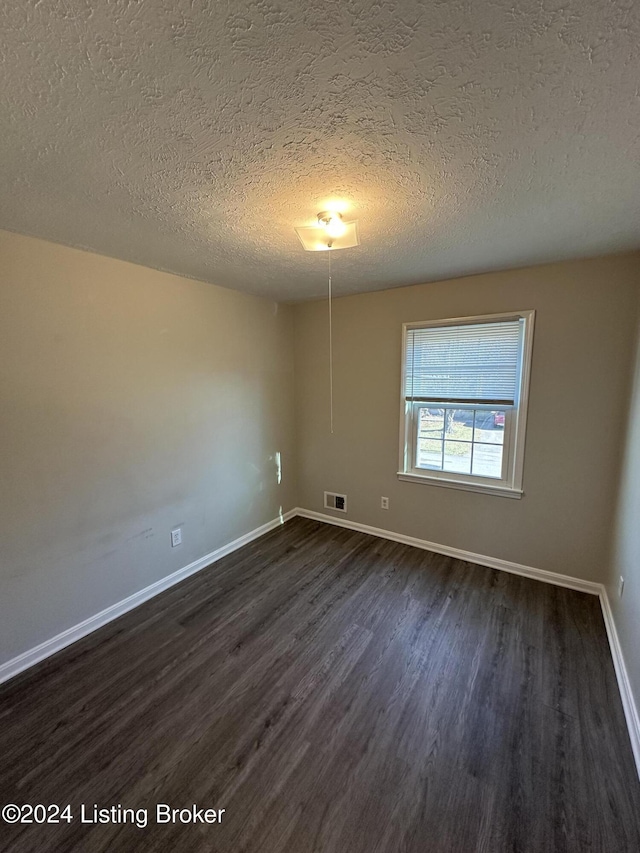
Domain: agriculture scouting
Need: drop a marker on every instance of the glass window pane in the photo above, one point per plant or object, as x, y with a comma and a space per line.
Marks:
430, 429
457, 456
429, 454
458, 424
430, 422
487, 460
489, 426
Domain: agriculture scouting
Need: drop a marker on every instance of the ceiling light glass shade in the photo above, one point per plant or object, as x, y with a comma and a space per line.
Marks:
332, 223
317, 239
335, 227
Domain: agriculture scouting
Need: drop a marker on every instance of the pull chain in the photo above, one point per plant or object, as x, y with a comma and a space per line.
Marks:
330, 350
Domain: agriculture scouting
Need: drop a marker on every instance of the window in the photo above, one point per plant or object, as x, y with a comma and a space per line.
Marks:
464, 399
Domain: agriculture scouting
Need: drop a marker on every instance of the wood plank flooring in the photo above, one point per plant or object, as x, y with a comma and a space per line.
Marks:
337, 693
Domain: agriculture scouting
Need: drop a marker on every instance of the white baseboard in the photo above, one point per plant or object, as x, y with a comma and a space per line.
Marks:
66, 638
626, 694
459, 554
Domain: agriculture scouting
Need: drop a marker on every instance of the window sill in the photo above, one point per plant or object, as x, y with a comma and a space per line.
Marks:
483, 488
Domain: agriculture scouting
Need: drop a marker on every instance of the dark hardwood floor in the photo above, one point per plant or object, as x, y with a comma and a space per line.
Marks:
338, 693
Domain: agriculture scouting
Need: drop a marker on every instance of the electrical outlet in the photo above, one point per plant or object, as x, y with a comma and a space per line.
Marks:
176, 537
620, 587
384, 503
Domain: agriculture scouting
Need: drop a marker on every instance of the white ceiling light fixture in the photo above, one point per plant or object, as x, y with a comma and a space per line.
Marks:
332, 223
331, 232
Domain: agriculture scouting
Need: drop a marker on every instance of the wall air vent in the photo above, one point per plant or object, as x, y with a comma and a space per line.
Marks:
334, 501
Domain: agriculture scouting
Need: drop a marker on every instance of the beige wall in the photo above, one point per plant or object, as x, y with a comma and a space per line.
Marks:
626, 544
132, 401
585, 327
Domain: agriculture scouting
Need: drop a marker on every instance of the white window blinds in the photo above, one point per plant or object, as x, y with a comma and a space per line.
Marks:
475, 363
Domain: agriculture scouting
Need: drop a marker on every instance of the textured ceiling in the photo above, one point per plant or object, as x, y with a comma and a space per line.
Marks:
192, 136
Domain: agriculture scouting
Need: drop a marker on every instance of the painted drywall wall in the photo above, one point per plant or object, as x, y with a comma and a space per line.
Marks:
626, 543
133, 401
585, 327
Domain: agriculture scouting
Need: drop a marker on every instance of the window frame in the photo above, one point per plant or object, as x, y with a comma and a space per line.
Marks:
510, 484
